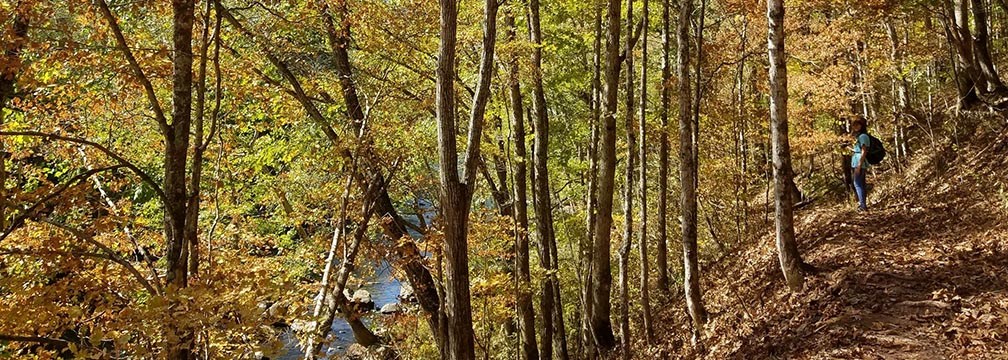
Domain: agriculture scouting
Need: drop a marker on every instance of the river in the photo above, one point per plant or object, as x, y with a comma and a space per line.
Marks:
384, 289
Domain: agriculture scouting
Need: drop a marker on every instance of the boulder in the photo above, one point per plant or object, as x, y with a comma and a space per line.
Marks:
303, 326
374, 352
406, 292
361, 296
390, 308
278, 309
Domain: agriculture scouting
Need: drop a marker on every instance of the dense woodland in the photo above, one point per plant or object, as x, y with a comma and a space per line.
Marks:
553, 179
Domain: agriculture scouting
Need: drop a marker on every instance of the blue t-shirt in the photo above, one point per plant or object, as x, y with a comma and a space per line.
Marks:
862, 141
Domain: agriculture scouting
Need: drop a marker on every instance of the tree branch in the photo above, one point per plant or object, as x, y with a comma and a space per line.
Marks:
35, 339
633, 41
122, 161
299, 94
134, 65
111, 255
30, 211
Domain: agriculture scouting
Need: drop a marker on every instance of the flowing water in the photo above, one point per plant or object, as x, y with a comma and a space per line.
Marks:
384, 289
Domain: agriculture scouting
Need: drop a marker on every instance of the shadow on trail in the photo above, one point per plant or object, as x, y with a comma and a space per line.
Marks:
903, 282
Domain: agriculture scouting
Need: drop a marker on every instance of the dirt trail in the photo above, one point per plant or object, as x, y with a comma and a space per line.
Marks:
923, 275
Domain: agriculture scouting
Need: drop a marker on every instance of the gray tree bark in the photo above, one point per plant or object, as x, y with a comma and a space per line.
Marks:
628, 193
642, 151
991, 81
602, 244
787, 248
593, 164
687, 174
330, 298
526, 315
456, 190
554, 338
663, 157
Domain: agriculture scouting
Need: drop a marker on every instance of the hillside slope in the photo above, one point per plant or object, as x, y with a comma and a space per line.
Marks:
923, 275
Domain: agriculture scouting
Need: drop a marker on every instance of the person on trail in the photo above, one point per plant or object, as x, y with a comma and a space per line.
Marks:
859, 161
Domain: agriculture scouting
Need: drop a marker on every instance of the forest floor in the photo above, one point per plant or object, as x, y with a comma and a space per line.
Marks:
922, 275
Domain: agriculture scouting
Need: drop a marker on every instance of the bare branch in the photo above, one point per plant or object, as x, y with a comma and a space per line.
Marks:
111, 255
122, 161
34, 339
30, 211
134, 65
299, 94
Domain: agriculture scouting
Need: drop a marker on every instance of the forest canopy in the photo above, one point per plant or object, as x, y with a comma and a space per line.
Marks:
443, 179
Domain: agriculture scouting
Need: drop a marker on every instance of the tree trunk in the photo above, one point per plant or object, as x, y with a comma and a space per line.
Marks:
663, 157
991, 82
526, 316
593, 164
330, 298
393, 225
958, 32
787, 248
456, 190
178, 340
601, 246
628, 193
687, 174
554, 334
177, 230
642, 150
199, 148
900, 91
741, 190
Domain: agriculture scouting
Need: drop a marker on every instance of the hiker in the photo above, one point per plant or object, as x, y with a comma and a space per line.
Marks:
859, 163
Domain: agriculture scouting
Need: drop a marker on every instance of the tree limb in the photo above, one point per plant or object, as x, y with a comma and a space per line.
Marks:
110, 255
30, 211
35, 339
299, 94
134, 65
122, 161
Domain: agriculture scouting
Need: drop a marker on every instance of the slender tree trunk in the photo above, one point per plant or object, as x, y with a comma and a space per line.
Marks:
663, 157
8, 79
526, 316
628, 193
642, 150
787, 247
741, 155
330, 298
554, 334
698, 90
199, 148
593, 164
456, 190
395, 226
958, 32
602, 244
180, 344
178, 339
502, 193
454, 196
900, 91
687, 170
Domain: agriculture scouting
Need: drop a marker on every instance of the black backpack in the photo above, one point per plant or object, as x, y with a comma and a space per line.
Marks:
876, 152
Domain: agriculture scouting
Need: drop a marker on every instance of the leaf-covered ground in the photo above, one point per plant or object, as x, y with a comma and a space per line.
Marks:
923, 275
